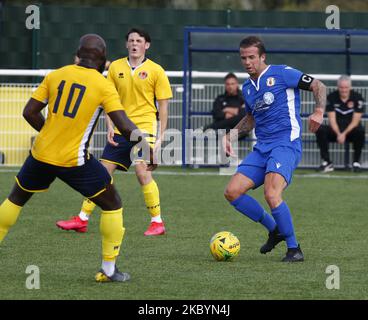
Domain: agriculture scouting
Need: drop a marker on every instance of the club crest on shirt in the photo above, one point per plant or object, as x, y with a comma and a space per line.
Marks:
270, 81
142, 74
350, 104
268, 98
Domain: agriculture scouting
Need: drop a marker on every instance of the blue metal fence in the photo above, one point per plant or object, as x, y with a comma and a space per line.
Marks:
343, 43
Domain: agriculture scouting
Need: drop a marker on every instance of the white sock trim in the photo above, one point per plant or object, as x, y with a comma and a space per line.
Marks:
156, 219
83, 216
108, 267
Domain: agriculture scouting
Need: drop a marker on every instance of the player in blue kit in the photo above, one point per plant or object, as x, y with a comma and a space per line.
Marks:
272, 103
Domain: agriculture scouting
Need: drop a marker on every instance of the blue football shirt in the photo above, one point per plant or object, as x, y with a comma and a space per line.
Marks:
274, 101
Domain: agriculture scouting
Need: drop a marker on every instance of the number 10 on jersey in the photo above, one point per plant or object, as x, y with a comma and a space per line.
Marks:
68, 110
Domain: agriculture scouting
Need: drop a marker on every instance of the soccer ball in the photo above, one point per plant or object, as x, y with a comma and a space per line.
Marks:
224, 246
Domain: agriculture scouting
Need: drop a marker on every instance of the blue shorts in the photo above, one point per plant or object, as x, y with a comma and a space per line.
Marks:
120, 155
282, 159
90, 179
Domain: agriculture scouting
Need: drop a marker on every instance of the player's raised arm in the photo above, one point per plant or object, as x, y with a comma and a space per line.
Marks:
32, 113
319, 93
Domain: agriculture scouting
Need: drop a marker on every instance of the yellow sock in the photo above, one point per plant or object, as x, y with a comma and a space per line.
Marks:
88, 206
112, 231
9, 213
152, 198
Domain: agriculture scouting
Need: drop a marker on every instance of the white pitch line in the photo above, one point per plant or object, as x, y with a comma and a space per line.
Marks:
201, 173
328, 176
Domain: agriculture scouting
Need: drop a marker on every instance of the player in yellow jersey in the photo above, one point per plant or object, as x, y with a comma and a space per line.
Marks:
140, 83
74, 95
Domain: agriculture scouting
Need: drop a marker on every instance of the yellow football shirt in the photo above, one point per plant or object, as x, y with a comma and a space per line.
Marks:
138, 89
74, 95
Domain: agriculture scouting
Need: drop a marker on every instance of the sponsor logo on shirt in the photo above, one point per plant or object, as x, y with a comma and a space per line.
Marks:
260, 106
268, 98
350, 104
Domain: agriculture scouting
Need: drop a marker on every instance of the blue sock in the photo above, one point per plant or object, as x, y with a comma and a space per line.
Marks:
284, 222
253, 210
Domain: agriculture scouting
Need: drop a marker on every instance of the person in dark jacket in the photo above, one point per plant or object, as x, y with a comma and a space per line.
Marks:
345, 108
228, 108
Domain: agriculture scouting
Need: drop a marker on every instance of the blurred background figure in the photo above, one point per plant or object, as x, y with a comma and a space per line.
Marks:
344, 108
228, 108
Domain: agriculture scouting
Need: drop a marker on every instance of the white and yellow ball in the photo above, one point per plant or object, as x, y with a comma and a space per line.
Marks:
224, 246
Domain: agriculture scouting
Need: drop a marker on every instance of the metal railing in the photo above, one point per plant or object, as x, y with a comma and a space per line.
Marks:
16, 135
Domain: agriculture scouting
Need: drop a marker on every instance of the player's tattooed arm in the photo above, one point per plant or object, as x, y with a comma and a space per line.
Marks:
316, 118
319, 92
244, 126
306, 82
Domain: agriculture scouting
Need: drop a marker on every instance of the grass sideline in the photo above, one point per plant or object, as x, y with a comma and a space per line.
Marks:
330, 221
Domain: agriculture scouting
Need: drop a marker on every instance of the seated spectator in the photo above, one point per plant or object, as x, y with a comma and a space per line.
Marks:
228, 108
344, 108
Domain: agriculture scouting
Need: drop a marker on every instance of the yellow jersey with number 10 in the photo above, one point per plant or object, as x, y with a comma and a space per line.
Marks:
74, 95
138, 89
